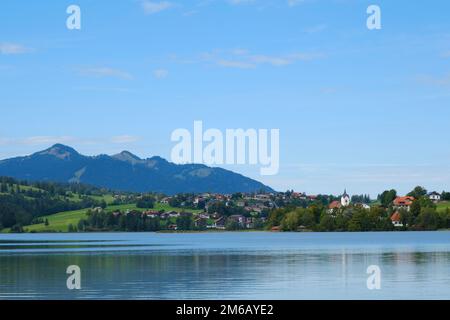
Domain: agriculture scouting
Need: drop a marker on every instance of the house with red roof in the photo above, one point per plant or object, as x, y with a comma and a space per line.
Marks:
334, 205
403, 202
396, 220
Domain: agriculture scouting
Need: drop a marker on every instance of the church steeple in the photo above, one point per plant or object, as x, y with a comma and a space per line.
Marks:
345, 199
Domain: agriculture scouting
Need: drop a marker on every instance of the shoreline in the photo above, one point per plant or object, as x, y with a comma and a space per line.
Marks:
224, 231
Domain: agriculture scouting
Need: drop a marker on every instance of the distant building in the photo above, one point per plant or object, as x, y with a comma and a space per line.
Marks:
200, 222
396, 220
434, 196
238, 219
363, 205
219, 223
345, 199
403, 202
165, 200
334, 205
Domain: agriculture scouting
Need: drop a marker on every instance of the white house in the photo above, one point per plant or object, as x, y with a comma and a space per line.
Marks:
434, 196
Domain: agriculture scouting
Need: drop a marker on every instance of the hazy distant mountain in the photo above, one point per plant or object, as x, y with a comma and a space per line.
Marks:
125, 172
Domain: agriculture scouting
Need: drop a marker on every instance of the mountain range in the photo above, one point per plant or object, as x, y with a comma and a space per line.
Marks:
126, 172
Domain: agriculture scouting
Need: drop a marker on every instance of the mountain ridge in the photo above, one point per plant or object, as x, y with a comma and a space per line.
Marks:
126, 172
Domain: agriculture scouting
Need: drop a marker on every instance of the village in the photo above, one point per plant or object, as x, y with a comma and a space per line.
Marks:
270, 211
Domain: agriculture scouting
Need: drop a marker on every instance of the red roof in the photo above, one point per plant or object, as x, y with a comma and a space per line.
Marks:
396, 217
403, 201
334, 205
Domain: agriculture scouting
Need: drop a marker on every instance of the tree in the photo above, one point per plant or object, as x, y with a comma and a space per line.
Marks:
415, 208
232, 225
185, 223
360, 221
275, 217
290, 221
17, 228
341, 222
406, 217
46, 223
327, 223
308, 219
418, 192
81, 225
146, 202
387, 197
428, 219
445, 196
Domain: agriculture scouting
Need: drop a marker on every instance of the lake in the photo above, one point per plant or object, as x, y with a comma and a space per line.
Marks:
228, 265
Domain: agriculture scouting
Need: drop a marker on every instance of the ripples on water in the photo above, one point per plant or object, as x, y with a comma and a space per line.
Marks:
243, 265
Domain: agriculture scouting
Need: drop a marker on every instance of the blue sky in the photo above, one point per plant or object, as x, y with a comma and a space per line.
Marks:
357, 109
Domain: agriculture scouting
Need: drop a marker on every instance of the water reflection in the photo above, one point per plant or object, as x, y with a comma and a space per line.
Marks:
255, 266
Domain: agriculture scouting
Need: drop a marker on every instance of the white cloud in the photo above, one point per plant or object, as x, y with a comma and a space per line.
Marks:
4, 141
236, 2
445, 54
152, 7
243, 59
106, 72
124, 139
293, 3
39, 140
235, 64
239, 51
161, 73
443, 81
13, 48
50, 140
315, 29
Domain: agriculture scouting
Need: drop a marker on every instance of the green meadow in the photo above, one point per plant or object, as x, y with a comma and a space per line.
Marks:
60, 222
442, 206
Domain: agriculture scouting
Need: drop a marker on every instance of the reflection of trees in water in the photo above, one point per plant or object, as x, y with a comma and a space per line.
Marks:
214, 274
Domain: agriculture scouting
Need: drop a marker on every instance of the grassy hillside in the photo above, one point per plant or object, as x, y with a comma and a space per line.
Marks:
60, 222
23, 203
443, 205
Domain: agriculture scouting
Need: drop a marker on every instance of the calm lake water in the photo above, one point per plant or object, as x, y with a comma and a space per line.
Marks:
241, 265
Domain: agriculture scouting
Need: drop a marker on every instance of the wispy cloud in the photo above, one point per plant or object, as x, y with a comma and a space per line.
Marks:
39, 140
443, 81
160, 73
237, 2
293, 3
446, 54
103, 89
13, 48
235, 64
102, 72
315, 29
50, 140
124, 139
243, 59
152, 7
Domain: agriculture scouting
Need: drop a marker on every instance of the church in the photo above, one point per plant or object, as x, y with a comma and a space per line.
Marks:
345, 199
345, 202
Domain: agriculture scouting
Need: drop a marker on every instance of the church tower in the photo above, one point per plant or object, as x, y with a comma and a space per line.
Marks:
345, 199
